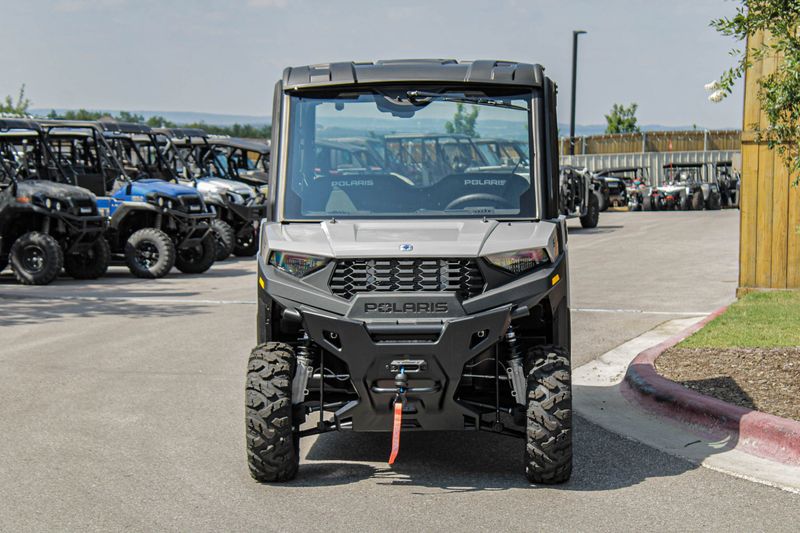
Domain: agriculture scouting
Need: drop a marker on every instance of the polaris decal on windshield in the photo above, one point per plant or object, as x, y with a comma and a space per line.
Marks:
353, 183
485, 182
406, 307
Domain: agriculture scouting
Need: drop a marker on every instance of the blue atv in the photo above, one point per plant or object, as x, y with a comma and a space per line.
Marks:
153, 224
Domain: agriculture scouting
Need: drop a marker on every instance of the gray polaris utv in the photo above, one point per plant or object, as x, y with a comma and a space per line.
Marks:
424, 302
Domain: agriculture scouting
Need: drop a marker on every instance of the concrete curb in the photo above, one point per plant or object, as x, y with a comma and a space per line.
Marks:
764, 435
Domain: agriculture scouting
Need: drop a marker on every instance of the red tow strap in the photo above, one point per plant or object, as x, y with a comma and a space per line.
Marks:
398, 421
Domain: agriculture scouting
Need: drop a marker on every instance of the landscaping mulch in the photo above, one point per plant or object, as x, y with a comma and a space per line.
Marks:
765, 379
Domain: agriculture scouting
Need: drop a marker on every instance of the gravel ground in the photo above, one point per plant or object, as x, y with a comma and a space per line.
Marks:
766, 379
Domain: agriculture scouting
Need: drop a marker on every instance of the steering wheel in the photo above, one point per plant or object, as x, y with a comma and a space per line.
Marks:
479, 196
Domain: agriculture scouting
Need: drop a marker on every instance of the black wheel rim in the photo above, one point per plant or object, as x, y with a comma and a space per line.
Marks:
192, 255
33, 258
146, 254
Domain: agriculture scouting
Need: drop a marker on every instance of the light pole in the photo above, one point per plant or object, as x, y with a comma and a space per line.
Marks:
575, 34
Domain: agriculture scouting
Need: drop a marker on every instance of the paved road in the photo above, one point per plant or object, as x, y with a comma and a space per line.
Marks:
122, 408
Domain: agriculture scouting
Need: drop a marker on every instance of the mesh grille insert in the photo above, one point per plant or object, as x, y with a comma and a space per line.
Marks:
461, 276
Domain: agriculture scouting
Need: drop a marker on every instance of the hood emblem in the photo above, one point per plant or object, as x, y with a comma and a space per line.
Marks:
406, 247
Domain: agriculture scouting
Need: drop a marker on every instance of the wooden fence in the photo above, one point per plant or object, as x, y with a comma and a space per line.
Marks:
655, 141
769, 246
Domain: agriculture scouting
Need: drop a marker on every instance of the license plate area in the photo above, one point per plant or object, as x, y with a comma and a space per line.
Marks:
409, 366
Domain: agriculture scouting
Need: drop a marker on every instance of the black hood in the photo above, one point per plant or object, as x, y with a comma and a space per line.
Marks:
52, 189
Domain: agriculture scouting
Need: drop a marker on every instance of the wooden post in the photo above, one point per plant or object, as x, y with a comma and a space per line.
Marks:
769, 238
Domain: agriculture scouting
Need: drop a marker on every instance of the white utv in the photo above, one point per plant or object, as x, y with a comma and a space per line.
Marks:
238, 206
411, 295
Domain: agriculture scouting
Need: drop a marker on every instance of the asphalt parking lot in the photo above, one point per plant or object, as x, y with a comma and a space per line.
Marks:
122, 408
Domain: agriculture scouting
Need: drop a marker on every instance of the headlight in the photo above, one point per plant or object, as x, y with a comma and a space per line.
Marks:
296, 264
519, 261
48, 203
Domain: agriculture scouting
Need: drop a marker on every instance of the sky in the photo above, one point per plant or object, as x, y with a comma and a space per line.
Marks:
225, 56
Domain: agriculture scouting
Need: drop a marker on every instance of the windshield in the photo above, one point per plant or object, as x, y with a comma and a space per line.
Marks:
24, 155
140, 156
408, 154
683, 174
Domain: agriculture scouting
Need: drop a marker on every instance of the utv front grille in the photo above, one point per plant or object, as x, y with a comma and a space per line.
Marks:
461, 276
191, 204
82, 207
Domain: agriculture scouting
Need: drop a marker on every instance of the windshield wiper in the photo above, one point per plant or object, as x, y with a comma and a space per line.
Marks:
478, 100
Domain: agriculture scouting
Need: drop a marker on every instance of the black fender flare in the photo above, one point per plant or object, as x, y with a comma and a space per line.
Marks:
126, 209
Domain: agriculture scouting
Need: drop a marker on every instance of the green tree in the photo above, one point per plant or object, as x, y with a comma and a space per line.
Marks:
237, 130
622, 119
779, 91
463, 121
20, 107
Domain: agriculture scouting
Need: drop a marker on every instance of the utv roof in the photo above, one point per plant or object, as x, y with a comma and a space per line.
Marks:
684, 165
617, 169
237, 142
427, 136
124, 127
8, 124
181, 133
445, 71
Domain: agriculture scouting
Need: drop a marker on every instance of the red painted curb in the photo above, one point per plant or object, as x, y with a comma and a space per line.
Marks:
761, 434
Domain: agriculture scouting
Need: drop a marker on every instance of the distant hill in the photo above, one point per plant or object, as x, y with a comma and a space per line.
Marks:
219, 119
181, 117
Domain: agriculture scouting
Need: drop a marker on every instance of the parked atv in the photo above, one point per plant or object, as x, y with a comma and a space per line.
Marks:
246, 159
614, 192
694, 184
425, 295
239, 206
46, 224
636, 182
729, 181
578, 198
154, 224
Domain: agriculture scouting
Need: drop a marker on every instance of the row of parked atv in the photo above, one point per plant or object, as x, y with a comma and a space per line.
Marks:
687, 186
78, 196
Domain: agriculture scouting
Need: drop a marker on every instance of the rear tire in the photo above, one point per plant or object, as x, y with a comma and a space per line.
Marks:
199, 258
91, 264
149, 253
273, 452
714, 202
225, 237
698, 203
548, 450
36, 258
592, 216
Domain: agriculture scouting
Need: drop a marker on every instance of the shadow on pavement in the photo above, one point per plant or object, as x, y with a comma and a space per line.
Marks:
600, 229
32, 311
457, 462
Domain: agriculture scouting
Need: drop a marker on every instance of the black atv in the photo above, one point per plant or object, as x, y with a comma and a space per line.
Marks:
46, 224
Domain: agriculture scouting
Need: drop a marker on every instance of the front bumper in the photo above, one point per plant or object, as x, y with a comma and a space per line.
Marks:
192, 227
431, 401
371, 346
